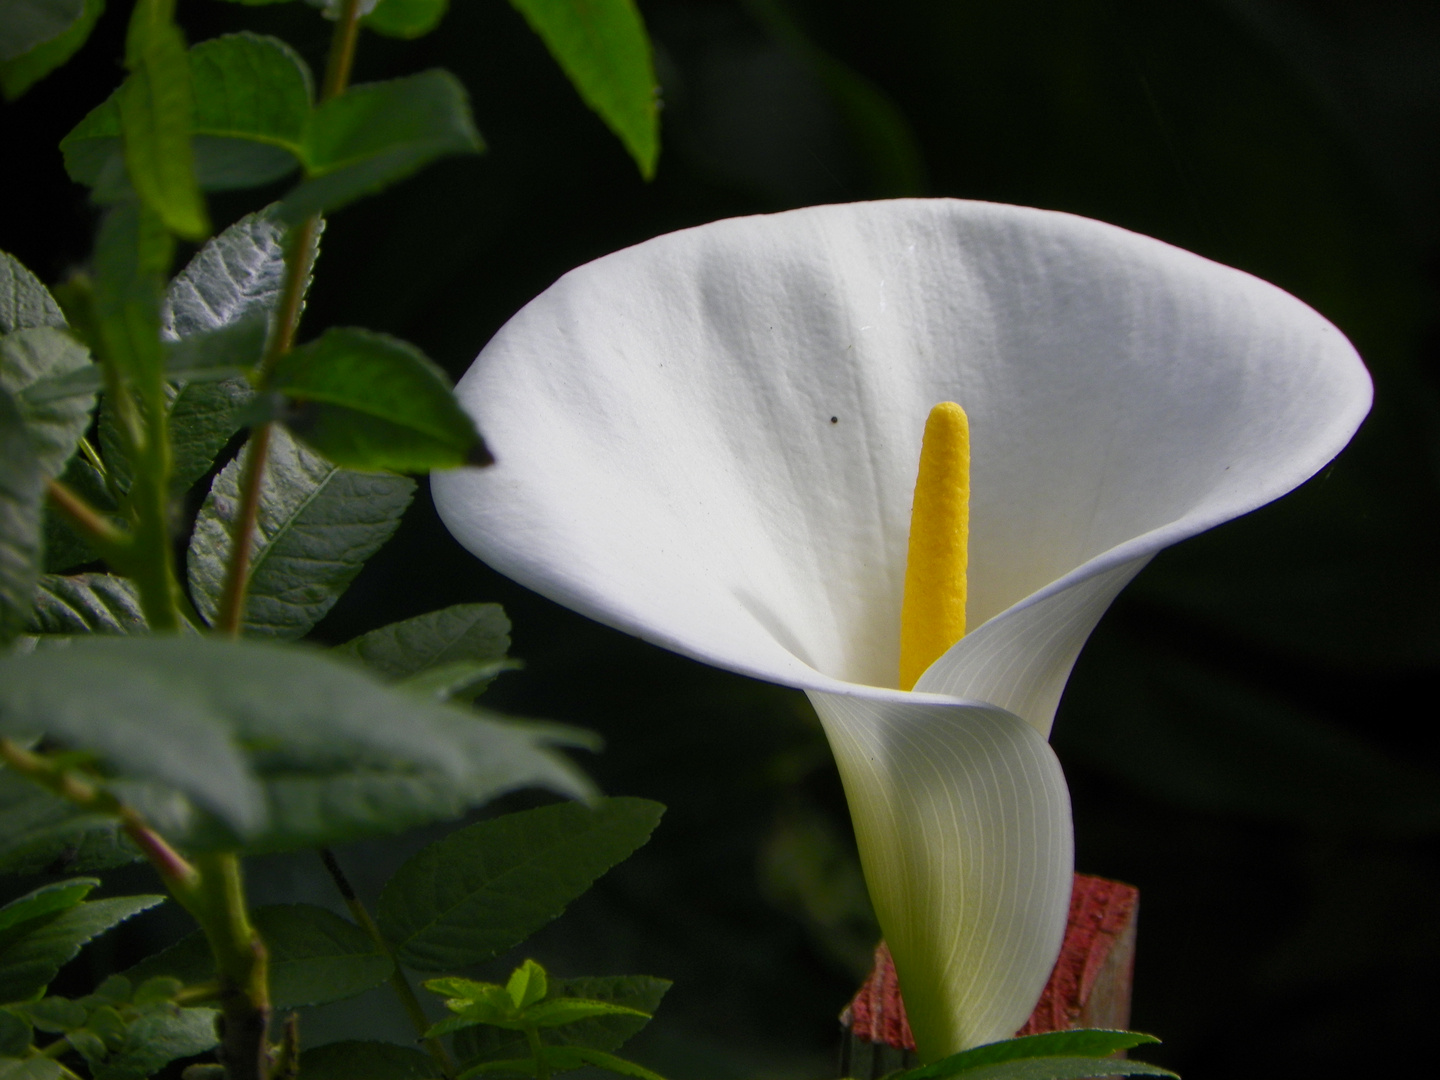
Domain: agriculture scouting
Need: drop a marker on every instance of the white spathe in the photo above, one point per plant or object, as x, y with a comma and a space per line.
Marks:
710, 440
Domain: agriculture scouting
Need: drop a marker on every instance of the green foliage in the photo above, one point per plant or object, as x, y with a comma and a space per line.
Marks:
406, 18
315, 957
1057, 1055
156, 106
253, 96
318, 524
37, 937
29, 23
377, 133
464, 632
367, 1061
562, 1059
36, 1068
285, 746
602, 47
368, 401
641, 994
21, 487
490, 885
55, 425
41, 832
24, 301
19, 74
86, 604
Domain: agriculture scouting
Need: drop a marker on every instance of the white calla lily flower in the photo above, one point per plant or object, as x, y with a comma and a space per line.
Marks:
710, 440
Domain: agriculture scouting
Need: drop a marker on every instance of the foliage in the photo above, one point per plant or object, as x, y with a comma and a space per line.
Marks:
150, 714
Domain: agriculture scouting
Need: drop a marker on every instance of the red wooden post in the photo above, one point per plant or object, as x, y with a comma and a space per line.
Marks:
1090, 986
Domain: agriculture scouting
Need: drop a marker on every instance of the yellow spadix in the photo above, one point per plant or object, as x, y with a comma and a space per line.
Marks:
932, 614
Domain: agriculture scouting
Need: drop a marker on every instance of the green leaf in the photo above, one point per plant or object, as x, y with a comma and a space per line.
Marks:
25, 24
253, 97
158, 1037
218, 354
156, 107
405, 19
462, 681
564, 1058
46, 900
65, 547
317, 526
24, 302
86, 604
1085, 1044
21, 489
1054, 1068
602, 47
55, 425
36, 1068
572, 1010
463, 632
376, 133
43, 833
23, 72
366, 1061
55, 1014
369, 401
642, 993
132, 253
315, 957
31, 953
527, 984
285, 745
489, 886
15, 1034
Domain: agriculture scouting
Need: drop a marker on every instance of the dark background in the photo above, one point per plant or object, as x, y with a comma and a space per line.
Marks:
1251, 735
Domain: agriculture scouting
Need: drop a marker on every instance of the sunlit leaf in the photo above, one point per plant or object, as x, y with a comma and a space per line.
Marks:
86, 604
24, 301
602, 47
369, 401
377, 133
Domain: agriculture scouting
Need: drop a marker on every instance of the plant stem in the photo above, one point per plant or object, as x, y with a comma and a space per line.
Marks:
299, 263
542, 1066
241, 965
179, 876
399, 983
86, 519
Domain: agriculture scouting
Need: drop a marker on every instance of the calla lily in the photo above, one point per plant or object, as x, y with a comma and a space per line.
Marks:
710, 440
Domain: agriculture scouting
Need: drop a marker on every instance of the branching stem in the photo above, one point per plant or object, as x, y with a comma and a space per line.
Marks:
399, 983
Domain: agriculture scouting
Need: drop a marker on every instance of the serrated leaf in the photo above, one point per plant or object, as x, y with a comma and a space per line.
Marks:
377, 133
565, 1011
406, 19
25, 24
489, 886
1083, 1043
65, 547
46, 900
370, 401
238, 273
602, 47
284, 745
24, 301
462, 681
363, 1060
86, 604
158, 1037
527, 984
642, 993
55, 425
55, 1014
36, 1068
24, 71
463, 632
317, 525
43, 833
218, 354
156, 107
32, 953
21, 488
315, 957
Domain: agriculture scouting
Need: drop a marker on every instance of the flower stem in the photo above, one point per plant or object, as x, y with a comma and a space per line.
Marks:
542, 1065
399, 984
86, 519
